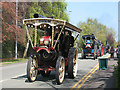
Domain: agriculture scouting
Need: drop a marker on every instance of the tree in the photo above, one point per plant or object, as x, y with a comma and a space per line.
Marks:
55, 9
9, 29
101, 32
25, 10
110, 39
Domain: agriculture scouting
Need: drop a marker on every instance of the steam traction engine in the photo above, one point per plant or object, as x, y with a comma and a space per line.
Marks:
49, 52
91, 47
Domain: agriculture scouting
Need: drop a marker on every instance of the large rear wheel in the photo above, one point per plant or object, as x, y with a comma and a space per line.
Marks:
72, 62
83, 55
60, 70
32, 69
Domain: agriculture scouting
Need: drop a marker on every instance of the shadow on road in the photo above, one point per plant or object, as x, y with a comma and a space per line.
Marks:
51, 77
108, 79
20, 77
102, 79
87, 58
115, 58
111, 82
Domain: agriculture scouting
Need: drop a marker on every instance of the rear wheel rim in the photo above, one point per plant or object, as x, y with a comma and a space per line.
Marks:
33, 71
61, 70
75, 59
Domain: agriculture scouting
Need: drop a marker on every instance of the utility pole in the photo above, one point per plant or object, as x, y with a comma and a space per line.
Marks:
16, 29
59, 14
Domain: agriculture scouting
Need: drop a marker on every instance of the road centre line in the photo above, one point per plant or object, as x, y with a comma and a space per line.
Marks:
84, 77
87, 76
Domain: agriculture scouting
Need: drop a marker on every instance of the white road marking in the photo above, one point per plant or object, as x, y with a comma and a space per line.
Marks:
4, 80
12, 77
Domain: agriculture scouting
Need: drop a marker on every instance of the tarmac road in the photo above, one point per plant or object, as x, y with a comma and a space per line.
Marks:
14, 76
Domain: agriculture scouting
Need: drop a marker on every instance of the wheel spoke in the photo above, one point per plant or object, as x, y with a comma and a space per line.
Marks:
32, 70
31, 73
60, 69
61, 75
74, 65
34, 73
74, 70
74, 61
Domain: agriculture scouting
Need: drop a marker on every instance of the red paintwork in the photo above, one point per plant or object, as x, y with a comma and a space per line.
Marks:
45, 38
42, 48
89, 46
66, 59
47, 69
116, 50
40, 69
98, 53
51, 69
102, 51
109, 51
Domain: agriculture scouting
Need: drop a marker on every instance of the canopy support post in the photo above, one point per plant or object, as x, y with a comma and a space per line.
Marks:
35, 36
59, 35
52, 35
76, 37
26, 49
28, 35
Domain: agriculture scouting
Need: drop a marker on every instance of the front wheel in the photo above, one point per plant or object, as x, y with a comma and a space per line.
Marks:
60, 70
32, 69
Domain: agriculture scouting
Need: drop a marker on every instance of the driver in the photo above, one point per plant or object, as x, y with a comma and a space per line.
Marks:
71, 39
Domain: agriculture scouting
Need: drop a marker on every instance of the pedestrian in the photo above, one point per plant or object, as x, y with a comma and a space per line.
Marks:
117, 51
112, 52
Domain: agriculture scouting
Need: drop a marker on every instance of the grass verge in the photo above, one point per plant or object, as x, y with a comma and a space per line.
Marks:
117, 74
13, 61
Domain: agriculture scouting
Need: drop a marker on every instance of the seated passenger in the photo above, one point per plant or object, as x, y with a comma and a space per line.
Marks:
88, 42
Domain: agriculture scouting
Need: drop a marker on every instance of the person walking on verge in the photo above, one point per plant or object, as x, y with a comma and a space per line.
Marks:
117, 51
112, 52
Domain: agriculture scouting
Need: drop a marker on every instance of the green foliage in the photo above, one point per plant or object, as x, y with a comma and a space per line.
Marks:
117, 73
11, 61
25, 10
98, 29
55, 9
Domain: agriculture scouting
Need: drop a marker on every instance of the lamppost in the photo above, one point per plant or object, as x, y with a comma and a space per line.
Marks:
59, 13
16, 29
